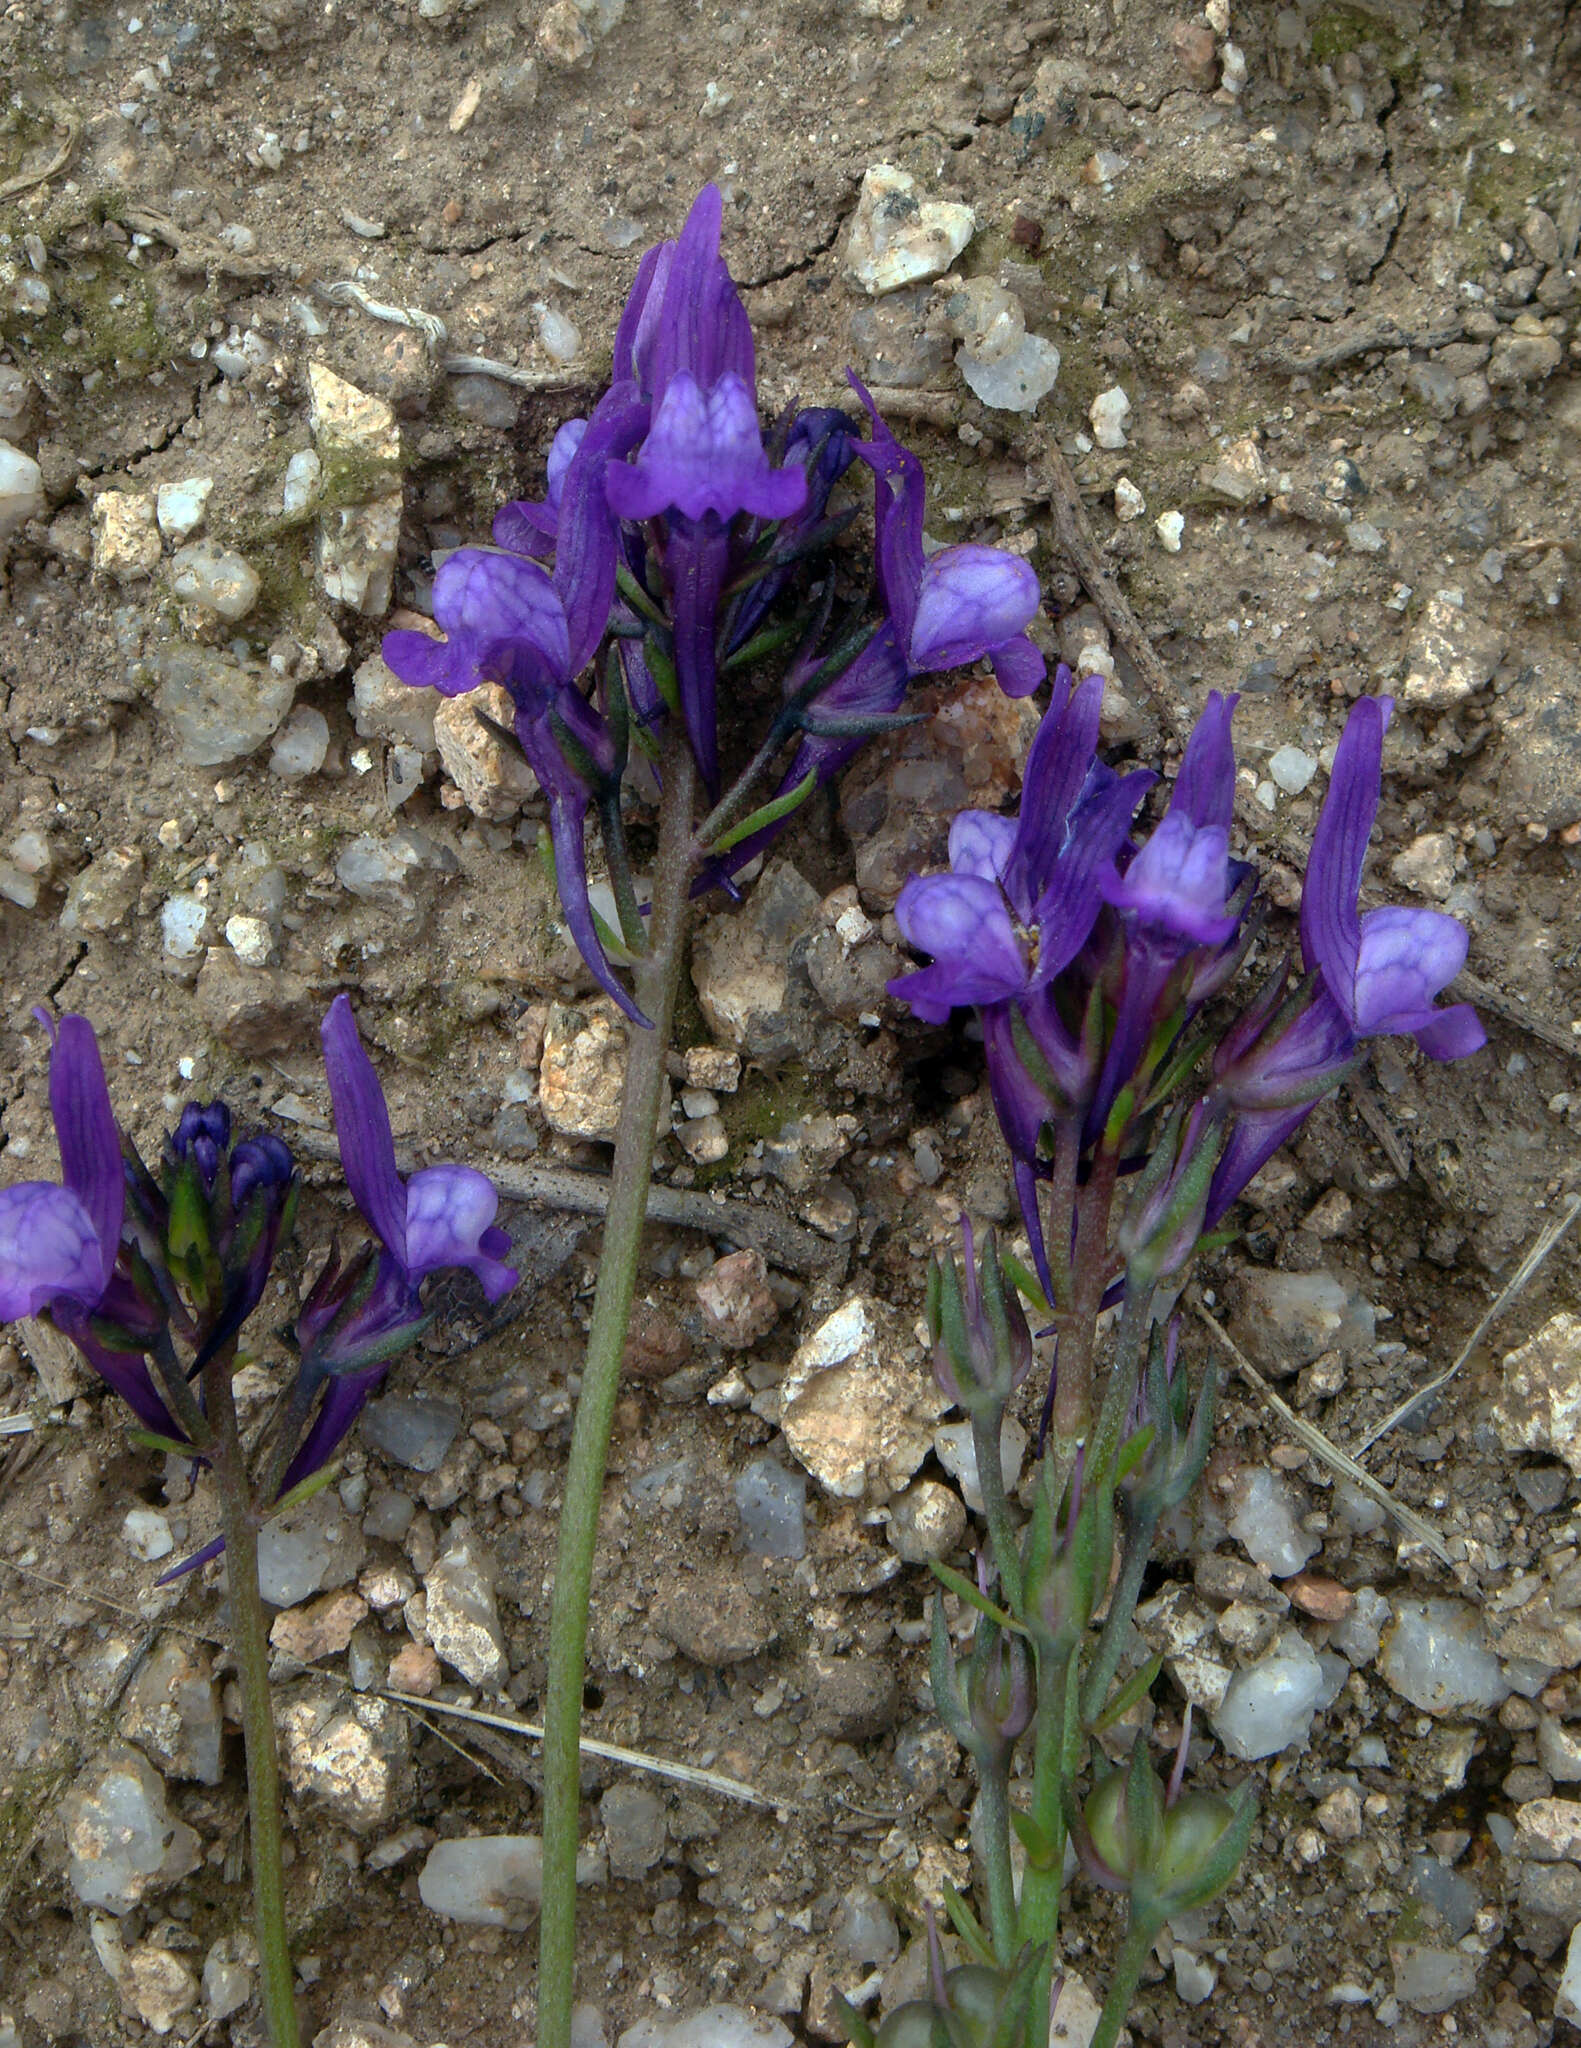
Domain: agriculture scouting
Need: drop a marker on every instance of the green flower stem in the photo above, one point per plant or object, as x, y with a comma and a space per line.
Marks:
1041, 1888
1122, 1605
1128, 1969
993, 1803
996, 1507
249, 1643
657, 976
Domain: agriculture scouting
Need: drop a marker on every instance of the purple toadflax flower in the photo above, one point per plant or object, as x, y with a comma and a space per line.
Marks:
60, 1246
358, 1318
962, 603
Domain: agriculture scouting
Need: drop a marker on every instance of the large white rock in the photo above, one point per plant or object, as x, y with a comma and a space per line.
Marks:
898, 238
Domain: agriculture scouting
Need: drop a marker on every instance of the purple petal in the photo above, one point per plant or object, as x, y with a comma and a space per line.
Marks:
526, 529
639, 316
90, 1144
969, 599
362, 1129
899, 502
1018, 666
1330, 927
449, 1211
704, 453
345, 1396
566, 815
981, 843
123, 1372
1452, 1033
585, 557
429, 664
568, 439
1068, 907
1056, 771
492, 601
964, 922
1405, 957
211, 1550
702, 328
49, 1248
1254, 1138
1020, 1105
1179, 882
1205, 787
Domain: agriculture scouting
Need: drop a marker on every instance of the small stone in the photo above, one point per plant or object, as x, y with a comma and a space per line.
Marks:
105, 892
928, 1520
1436, 1656
1108, 413
749, 993
717, 2026
656, 1345
1076, 2014
1181, 1630
564, 37
320, 1630
415, 1430
710, 1066
1269, 1706
1429, 1978
125, 536
180, 507
349, 1754
1291, 769
1363, 538
172, 1711
146, 1533
850, 1699
21, 490
382, 870
1427, 866
1128, 500
157, 1986
957, 1453
1539, 1403
355, 432
1017, 382
220, 709
771, 1506
1451, 657
703, 1139
561, 338
299, 486
307, 1549
250, 939
227, 1985
711, 1617
255, 1010
1284, 1321
1520, 359
897, 239
414, 1668
1196, 1977
1198, 54
300, 745
490, 772
1324, 1599
484, 1880
122, 1844
634, 1830
1339, 1815
463, 1621
215, 578
855, 1410
582, 1071
738, 1306
1237, 475
1265, 1518
1548, 1830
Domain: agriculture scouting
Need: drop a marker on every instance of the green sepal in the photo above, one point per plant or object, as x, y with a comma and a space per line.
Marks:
661, 666
1042, 1852
1136, 1687
611, 941
968, 1926
767, 814
315, 1482
857, 2030
1026, 1283
1132, 1452
150, 1440
955, 1582
761, 646
638, 598
1119, 1117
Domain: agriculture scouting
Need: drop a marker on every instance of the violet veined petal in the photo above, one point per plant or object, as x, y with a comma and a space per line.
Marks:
428, 664
49, 1249
1205, 787
964, 922
362, 1128
1018, 666
970, 599
1405, 957
1330, 927
1452, 1033
449, 1211
704, 453
85, 1127
981, 843
587, 535
490, 600
900, 494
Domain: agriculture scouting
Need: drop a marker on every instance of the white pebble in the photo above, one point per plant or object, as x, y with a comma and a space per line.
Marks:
1292, 769
181, 506
182, 923
21, 489
1169, 526
1109, 412
302, 473
559, 335
1128, 500
147, 1534
250, 939
300, 744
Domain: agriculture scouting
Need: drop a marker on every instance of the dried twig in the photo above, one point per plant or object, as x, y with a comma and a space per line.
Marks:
1513, 1287
508, 373
24, 181
198, 255
1361, 341
662, 1767
788, 1245
346, 291
1319, 1445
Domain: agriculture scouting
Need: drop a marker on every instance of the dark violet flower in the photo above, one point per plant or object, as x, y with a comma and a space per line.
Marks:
1383, 969
60, 1245
684, 312
530, 527
203, 1135
704, 454
952, 608
357, 1319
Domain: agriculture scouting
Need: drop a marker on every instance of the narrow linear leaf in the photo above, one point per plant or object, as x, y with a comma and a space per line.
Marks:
1120, 1702
315, 1482
768, 814
967, 1926
954, 1582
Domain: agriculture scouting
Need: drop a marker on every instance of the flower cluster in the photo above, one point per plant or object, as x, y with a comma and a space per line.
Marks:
672, 529
138, 1269
1088, 957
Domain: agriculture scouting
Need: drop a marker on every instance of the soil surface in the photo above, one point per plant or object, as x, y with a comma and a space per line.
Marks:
1328, 254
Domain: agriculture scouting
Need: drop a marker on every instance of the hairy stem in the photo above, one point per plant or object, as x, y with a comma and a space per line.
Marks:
249, 1642
733, 804
1078, 1332
993, 1804
1041, 1888
996, 1507
1122, 1605
1128, 1969
656, 976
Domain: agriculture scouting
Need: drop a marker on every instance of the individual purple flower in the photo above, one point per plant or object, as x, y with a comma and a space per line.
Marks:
704, 455
60, 1244
952, 608
684, 312
1385, 969
529, 526
354, 1322
506, 622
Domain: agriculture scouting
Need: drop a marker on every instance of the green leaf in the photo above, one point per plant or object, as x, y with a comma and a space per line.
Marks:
662, 669
968, 1926
761, 646
315, 1482
1041, 1852
767, 814
1135, 1687
1026, 1283
954, 1582
857, 2030
1132, 1452
150, 1440
611, 941
639, 600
